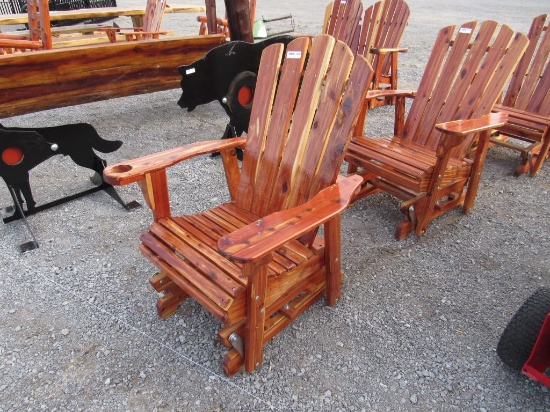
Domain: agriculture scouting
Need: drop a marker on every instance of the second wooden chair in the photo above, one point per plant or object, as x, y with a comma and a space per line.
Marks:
427, 162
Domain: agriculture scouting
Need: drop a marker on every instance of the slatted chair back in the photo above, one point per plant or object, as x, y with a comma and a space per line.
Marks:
383, 26
342, 21
463, 79
527, 103
295, 145
529, 87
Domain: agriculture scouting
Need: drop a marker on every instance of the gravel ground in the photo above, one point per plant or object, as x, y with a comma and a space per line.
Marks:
416, 329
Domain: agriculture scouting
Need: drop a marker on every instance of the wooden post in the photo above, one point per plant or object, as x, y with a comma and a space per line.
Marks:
211, 16
238, 19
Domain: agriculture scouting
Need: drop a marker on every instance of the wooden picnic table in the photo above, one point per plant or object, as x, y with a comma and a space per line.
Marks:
136, 13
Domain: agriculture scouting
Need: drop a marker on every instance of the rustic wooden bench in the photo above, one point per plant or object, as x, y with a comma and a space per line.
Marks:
50, 79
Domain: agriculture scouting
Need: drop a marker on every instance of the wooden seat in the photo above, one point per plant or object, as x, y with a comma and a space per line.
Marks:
375, 34
527, 103
427, 162
256, 262
40, 35
152, 20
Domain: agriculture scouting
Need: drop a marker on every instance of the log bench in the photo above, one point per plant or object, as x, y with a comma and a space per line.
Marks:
48, 79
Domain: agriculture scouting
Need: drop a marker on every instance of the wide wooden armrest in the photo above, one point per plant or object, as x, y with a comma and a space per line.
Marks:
373, 94
385, 50
464, 127
454, 132
262, 237
135, 170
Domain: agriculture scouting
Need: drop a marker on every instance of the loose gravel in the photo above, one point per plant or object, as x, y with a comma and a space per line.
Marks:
416, 329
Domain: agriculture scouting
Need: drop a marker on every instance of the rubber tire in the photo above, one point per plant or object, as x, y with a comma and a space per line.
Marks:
519, 337
243, 79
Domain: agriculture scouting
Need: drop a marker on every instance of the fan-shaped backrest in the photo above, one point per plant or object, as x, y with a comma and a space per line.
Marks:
529, 87
301, 125
464, 77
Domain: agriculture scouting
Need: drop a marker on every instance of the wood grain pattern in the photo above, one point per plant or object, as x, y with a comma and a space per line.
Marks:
49, 79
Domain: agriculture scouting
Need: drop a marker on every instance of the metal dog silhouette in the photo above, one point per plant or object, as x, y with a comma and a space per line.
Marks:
22, 149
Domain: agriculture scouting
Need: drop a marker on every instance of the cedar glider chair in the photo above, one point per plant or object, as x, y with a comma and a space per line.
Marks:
382, 30
256, 262
40, 32
527, 103
152, 20
428, 163
377, 37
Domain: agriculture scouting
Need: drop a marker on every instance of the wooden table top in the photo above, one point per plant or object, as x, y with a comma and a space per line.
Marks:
22, 18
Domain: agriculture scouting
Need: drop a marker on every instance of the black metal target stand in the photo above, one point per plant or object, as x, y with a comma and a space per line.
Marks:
22, 149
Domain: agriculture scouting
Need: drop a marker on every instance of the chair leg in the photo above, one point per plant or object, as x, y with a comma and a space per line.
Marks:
543, 153
255, 314
332, 260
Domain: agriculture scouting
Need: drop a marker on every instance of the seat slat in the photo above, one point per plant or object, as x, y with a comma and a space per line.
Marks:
278, 258
294, 250
223, 300
210, 264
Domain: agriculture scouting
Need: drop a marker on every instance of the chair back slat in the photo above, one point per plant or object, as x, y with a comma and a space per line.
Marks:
281, 116
464, 64
305, 107
443, 43
154, 14
266, 85
336, 79
369, 31
535, 90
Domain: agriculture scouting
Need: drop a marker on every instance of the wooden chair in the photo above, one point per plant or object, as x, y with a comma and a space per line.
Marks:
152, 20
256, 262
426, 162
40, 34
382, 30
376, 34
527, 103
342, 21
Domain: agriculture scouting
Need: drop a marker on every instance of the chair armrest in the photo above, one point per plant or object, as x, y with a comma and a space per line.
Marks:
124, 173
262, 237
386, 50
454, 132
373, 94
